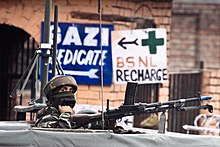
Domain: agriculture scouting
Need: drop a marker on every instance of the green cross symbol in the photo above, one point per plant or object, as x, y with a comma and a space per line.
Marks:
152, 42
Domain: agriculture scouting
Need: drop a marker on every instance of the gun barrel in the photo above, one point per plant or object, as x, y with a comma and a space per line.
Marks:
169, 103
202, 98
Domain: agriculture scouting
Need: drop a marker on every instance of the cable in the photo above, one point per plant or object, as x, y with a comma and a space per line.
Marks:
100, 27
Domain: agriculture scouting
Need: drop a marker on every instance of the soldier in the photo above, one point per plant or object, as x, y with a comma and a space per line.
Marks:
60, 93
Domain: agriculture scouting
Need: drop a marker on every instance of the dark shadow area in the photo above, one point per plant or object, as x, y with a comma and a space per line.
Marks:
16, 49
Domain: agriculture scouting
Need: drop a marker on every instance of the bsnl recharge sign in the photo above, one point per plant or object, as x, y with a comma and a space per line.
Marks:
80, 54
139, 55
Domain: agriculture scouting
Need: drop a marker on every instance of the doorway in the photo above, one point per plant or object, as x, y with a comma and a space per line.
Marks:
16, 50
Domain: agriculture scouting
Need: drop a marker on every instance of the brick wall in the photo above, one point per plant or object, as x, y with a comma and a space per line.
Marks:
211, 86
195, 35
28, 15
159, 12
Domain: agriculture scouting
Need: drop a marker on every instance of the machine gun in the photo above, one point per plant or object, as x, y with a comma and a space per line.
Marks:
128, 109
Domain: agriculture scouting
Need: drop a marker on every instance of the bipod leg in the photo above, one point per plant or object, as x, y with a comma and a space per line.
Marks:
162, 123
29, 73
36, 56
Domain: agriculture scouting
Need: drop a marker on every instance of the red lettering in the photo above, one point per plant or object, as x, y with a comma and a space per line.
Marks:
130, 61
120, 62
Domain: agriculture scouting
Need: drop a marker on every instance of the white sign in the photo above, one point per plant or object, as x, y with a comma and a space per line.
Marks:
139, 56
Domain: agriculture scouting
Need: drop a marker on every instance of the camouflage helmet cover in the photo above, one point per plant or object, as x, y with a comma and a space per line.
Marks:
59, 81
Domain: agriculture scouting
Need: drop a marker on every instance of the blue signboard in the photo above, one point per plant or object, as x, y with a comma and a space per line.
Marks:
79, 52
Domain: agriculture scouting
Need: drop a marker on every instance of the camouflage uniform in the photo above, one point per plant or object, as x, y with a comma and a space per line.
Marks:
49, 117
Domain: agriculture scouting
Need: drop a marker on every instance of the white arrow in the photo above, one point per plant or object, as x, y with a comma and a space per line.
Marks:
91, 73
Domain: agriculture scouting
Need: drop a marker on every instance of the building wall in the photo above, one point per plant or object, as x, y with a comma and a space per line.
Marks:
195, 35
211, 86
123, 14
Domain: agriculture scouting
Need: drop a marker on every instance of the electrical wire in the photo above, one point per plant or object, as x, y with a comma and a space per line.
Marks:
102, 77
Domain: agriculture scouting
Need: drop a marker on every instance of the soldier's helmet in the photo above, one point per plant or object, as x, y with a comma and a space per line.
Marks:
52, 89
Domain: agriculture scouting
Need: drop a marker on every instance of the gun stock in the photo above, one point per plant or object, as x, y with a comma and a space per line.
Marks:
80, 120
